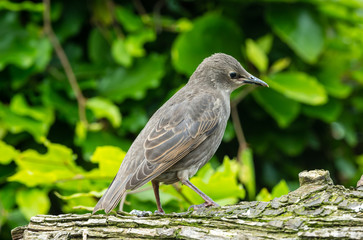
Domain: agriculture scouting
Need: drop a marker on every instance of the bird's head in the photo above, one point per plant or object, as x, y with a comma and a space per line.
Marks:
225, 72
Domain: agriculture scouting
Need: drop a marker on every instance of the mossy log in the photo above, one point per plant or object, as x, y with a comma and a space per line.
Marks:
317, 209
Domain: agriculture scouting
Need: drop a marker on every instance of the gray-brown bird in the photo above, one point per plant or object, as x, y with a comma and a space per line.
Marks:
183, 134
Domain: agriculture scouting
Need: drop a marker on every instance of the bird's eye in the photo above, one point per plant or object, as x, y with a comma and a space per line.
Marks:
233, 74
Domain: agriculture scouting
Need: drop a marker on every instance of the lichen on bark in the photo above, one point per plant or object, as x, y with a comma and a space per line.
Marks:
317, 209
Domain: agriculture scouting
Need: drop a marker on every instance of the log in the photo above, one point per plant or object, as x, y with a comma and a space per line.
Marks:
317, 209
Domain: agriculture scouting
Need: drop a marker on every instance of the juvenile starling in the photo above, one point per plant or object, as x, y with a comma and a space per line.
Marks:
183, 134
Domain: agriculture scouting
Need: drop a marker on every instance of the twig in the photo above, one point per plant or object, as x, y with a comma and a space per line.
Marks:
157, 8
111, 8
238, 129
139, 7
81, 100
236, 120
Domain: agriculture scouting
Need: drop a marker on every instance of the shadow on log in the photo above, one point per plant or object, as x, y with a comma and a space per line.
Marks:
317, 209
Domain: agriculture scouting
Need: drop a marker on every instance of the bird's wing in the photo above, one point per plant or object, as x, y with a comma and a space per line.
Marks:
177, 133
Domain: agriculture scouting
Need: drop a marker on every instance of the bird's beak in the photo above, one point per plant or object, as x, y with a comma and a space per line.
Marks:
253, 80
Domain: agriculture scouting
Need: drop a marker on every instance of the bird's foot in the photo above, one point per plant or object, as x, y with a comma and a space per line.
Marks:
159, 212
203, 205
140, 213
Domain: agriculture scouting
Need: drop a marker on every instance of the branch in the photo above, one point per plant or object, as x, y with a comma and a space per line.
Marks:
81, 100
316, 210
236, 121
238, 129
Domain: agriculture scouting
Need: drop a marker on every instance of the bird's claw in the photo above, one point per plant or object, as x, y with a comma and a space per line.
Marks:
203, 205
157, 212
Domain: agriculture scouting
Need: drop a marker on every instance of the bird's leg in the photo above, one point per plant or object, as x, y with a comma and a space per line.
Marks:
157, 197
208, 201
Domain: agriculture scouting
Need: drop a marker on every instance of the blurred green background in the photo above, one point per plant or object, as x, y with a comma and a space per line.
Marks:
60, 149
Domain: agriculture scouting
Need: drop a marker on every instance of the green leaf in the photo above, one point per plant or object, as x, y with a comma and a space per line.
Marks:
221, 184
109, 159
98, 48
22, 6
256, 55
298, 86
134, 42
51, 97
279, 65
265, 43
20, 46
133, 82
102, 107
264, 195
331, 78
247, 172
8, 153
210, 34
130, 21
281, 108
45, 169
357, 102
229, 133
349, 130
101, 138
135, 120
32, 202
81, 131
69, 23
120, 53
299, 28
280, 189
19, 106
7, 197
346, 167
79, 195
358, 76
16, 124
328, 112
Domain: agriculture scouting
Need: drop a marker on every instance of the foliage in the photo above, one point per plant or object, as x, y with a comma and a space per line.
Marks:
131, 56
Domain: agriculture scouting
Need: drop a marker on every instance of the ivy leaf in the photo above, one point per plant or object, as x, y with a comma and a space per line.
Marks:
265, 43
221, 184
32, 202
8, 153
264, 195
16, 123
328, 112
120, 53
281, 108
279, 65
102, 107
210, 34
256, 55
128, 19
299, 86
133, 82
300, 29
109, 159
247, 172
280, 189
45, 169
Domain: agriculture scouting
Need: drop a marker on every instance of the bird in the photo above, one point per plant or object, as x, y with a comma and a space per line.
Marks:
183, 134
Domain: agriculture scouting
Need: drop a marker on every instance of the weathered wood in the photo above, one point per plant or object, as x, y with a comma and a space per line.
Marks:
317, 209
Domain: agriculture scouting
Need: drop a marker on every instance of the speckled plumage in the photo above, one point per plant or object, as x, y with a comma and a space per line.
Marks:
183, 134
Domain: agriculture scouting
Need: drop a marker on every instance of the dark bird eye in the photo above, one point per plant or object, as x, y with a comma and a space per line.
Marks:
233, 74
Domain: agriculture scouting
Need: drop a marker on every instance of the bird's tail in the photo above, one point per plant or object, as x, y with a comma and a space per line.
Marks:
112, 196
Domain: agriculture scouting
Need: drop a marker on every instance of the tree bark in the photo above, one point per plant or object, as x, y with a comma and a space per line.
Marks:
317, 209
